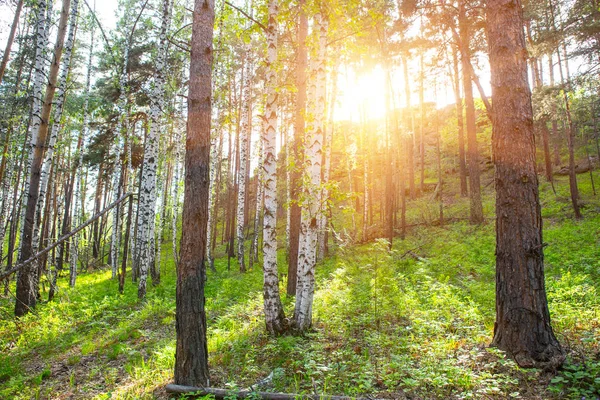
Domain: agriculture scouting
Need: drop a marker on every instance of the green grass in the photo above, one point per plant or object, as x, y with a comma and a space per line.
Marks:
417, 321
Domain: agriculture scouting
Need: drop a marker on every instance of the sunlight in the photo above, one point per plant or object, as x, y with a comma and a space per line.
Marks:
361, 93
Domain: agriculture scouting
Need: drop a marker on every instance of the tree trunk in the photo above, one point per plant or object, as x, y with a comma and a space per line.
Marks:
274, 316
325, 216
297, 157
27, 279
245, 132
11, 38
522, 325
476, 208
573, 188
410, 154
462, 165
58, 110
191, 357
311, 207
147, 205
259, 200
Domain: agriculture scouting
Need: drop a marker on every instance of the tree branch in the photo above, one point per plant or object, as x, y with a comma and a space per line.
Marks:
245, 14
7, 273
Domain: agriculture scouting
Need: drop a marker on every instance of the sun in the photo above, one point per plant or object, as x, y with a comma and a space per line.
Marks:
361, 95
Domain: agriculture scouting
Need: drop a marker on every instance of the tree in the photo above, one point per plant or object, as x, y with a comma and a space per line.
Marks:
191, 356
311, 204
147, 214
274, 316
296, 153
476, 210
522, 325
27, 279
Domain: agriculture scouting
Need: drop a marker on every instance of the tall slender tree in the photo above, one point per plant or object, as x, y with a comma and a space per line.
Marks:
274, 316
147, 206
27, 278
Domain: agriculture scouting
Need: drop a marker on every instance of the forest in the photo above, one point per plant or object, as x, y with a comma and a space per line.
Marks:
300, 199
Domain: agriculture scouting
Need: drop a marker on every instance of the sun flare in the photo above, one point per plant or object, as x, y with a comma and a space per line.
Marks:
361, 95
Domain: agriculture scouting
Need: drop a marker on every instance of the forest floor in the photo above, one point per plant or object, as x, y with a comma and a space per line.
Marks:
415, 323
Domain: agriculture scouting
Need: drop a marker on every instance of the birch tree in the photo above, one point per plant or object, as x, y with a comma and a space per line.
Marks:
79, 194
305, 285
27, 278
245, 132
147, 205
58, 111
274, 315
117, 172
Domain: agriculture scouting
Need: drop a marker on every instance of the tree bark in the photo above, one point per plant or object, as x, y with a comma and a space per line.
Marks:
476, 208
191, 357
11, 38
522, 325
274, 316
462, 165
311, 205
147, 206
27, 279
297, 157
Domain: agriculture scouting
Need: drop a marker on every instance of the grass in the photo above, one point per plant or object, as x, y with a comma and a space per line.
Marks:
415, 322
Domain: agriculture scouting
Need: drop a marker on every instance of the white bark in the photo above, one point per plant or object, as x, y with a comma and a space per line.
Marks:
115, 240
147, 207
274, 316
311, 203
6, 183
177, 167
79, 199
324, 216
43, 22
245, 132
58, 110
214, 155
259, 196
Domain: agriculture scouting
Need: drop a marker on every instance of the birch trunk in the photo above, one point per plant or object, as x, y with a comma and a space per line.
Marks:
147, 200
58, 110
176, 178
305, 285
259, 198
211, 201
327, 143
274, 315
78, 210
117, 172
27, 278
245, 132
43, 18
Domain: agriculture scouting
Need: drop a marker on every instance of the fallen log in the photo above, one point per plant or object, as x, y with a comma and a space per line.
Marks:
242, 394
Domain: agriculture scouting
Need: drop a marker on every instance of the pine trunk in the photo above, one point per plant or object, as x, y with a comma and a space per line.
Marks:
522, 325
191, 357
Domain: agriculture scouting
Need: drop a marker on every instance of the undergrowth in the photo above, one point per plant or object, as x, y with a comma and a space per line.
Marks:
414, 322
